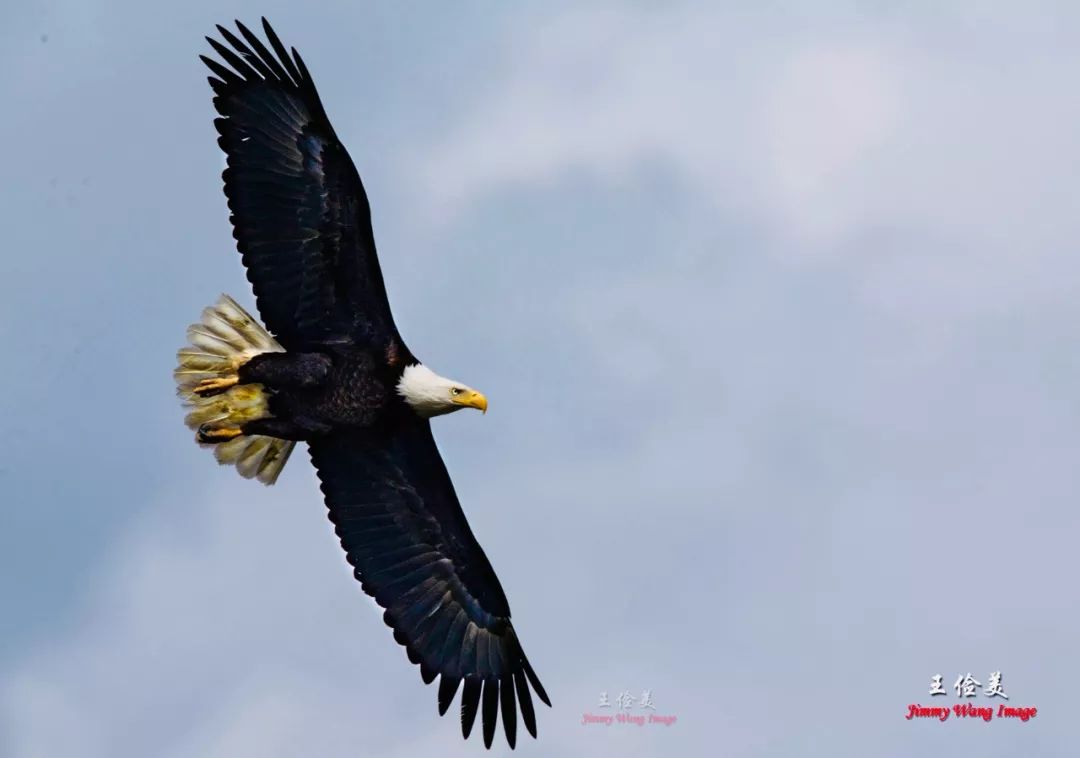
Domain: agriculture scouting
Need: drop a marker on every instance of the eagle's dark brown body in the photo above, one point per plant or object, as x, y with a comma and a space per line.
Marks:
314, 393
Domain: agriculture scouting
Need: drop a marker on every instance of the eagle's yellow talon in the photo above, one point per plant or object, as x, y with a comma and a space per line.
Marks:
210, 435
208, 387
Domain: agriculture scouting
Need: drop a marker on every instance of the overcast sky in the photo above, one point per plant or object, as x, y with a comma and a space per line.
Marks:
778, 312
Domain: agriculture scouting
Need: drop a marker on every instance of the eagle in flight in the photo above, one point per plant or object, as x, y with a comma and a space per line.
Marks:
330, 369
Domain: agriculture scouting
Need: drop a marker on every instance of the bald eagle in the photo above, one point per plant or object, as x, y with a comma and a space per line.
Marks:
330, 369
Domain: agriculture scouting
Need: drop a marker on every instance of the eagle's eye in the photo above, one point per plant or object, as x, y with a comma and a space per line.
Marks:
455, 390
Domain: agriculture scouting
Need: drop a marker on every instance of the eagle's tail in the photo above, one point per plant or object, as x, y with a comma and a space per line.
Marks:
225, 338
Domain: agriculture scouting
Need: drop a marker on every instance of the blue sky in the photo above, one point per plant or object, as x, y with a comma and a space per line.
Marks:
777, 312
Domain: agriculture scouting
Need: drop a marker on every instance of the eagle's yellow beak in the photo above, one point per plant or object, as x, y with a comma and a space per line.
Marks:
472, 399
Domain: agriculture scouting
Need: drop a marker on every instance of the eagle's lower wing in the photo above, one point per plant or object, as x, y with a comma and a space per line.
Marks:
403, 530
299, 211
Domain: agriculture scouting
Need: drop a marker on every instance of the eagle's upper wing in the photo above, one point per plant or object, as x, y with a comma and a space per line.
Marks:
299, 211
394, 508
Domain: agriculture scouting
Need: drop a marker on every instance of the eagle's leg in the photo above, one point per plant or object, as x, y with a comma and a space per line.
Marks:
214, 386
282, 428
279, 428
273, 370
285, 370
209, 434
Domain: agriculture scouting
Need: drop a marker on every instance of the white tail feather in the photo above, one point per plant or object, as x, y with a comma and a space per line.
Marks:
225, 338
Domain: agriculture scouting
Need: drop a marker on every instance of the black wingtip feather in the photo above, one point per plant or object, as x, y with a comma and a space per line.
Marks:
470, 700
528, 715
300, 67
427, 673
535, 681
509, 710
282, 53
448, 687
491, 710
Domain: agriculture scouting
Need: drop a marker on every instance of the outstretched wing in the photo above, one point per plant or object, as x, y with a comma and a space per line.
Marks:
394, 508
299, 211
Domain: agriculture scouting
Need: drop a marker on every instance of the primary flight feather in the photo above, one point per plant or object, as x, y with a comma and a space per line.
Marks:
331, 369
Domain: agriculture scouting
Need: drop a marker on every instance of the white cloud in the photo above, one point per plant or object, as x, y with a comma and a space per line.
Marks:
827, 111
825, 134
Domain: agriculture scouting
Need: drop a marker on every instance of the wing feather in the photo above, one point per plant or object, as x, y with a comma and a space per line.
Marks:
300, 215
398, 518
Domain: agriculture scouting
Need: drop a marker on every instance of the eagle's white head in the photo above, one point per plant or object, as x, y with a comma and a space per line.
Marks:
429, 394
